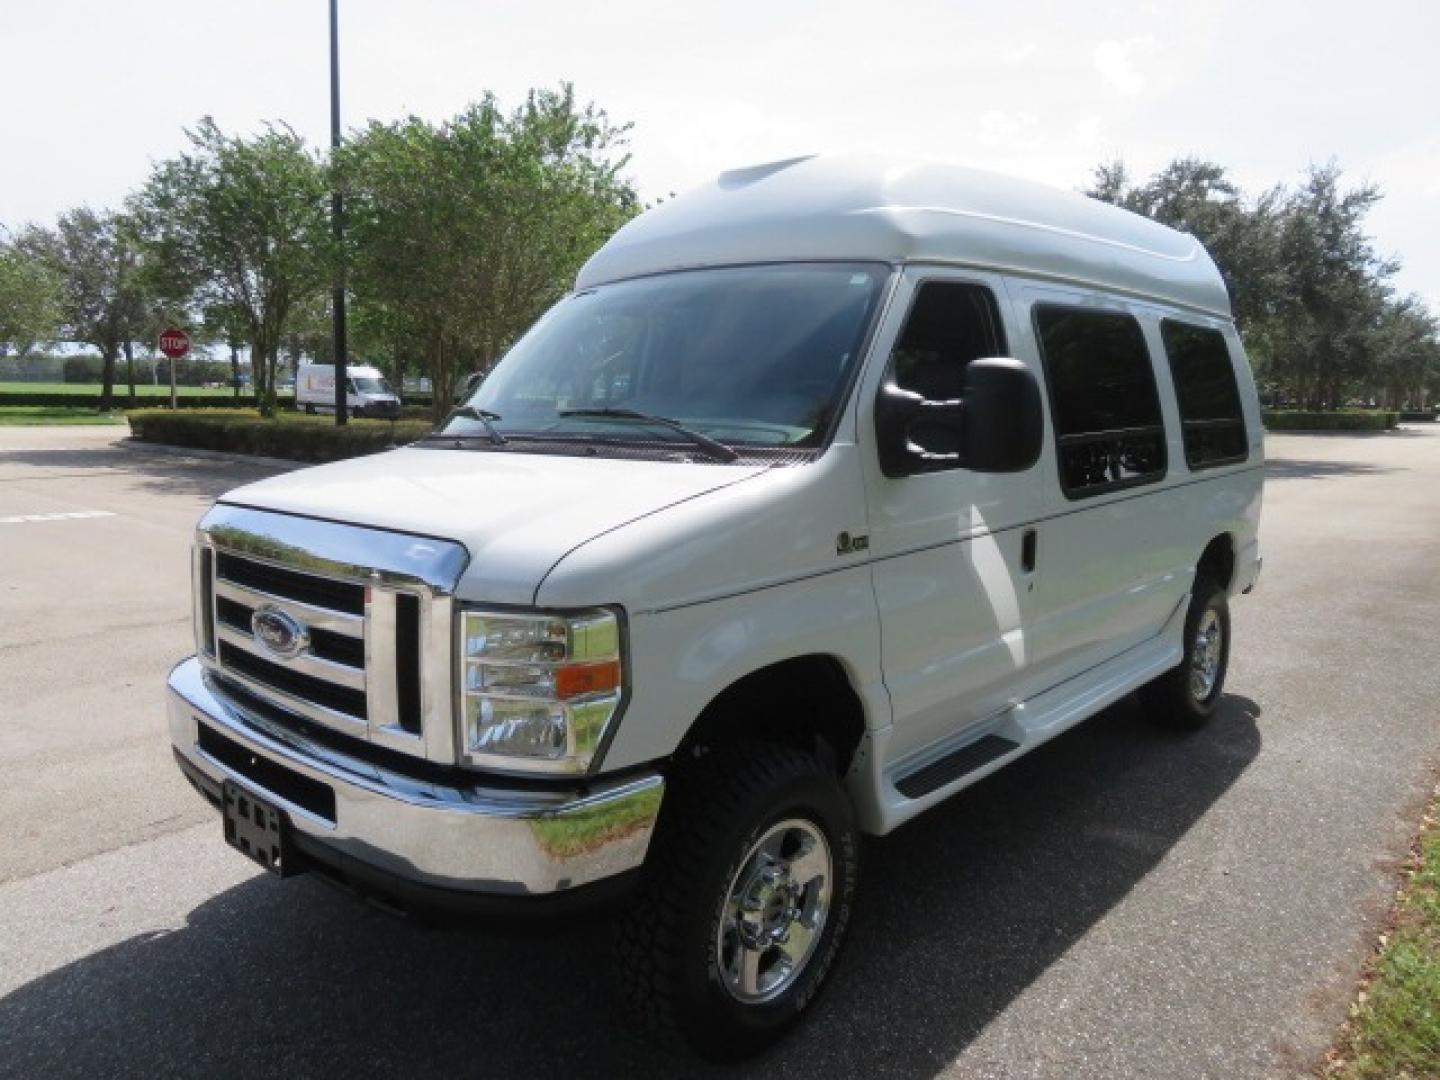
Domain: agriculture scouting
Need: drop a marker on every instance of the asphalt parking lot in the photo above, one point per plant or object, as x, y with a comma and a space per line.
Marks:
1121, 903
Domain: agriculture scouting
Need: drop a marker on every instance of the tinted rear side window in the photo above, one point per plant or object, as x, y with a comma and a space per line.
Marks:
1213, 424
1103, 402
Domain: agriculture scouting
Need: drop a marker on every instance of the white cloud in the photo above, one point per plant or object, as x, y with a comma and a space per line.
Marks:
1409, 177
1114, 61
1042, 93
1011, 129
1088, 131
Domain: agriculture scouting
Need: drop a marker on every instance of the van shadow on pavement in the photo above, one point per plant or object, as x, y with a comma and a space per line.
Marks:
152, 472
1298, 469
960, 911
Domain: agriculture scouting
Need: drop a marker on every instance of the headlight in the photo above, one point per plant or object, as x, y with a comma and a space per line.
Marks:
538, 692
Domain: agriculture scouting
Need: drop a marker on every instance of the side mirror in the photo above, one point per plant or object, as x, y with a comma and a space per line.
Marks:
1003, 417
995, 426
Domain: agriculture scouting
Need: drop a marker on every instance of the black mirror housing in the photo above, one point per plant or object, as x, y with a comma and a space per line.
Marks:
996, 424
1003, 418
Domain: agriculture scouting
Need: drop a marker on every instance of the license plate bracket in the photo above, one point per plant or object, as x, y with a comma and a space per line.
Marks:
259, 830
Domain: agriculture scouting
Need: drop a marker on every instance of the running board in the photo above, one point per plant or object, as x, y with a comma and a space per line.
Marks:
954, 765
886, 797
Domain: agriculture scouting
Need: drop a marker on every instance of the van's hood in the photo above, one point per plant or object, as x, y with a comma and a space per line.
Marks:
518, 514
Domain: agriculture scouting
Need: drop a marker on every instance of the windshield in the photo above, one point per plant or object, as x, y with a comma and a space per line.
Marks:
364, 385
756, 355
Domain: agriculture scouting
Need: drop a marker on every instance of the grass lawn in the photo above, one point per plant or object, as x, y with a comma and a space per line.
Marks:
1394, 1027
32, 415
122, 390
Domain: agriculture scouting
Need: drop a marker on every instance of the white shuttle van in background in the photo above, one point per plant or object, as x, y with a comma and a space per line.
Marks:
832, 488
367, 392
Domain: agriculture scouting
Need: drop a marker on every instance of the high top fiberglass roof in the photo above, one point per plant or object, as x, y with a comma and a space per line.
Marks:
873, 208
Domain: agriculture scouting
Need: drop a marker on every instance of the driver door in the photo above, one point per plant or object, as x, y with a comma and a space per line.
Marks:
953, 550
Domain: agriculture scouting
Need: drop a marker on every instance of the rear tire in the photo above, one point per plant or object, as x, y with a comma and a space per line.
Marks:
310, 409
744, 902
1186, 696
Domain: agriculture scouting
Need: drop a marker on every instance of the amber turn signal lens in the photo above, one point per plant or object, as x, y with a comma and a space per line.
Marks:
572, 680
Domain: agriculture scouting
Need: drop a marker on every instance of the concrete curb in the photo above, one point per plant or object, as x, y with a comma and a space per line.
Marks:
139, 446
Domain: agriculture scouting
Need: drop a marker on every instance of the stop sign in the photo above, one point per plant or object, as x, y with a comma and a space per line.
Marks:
174, 343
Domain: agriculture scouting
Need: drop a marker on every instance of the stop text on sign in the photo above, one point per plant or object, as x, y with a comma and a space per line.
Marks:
174, 343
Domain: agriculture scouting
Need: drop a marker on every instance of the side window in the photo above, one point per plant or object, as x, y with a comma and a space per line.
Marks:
1212, 424
1108, 430
949, 325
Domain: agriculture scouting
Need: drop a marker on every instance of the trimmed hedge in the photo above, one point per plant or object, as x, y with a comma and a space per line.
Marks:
300, 438
1421, 417
1340, 420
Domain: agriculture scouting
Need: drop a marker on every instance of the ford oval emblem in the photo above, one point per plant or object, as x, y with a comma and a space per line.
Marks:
278, 632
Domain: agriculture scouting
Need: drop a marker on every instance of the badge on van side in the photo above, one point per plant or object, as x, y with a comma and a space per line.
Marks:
845, 544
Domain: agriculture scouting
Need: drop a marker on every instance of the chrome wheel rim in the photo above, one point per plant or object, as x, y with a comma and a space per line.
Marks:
775, 911
1205, 656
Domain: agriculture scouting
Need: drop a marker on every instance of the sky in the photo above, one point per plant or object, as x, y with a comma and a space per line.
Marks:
96, 91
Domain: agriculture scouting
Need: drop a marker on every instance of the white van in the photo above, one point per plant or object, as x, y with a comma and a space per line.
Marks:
367, 392
831, 489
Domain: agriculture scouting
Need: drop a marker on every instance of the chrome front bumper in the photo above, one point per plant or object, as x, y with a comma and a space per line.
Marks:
481, 839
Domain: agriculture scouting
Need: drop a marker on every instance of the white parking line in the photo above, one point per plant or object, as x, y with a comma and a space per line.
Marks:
73, 515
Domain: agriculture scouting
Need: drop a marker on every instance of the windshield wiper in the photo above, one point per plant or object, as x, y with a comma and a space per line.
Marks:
469, 412
717, 450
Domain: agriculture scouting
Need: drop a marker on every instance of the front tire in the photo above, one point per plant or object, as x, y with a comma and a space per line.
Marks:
1186, 696
745, 900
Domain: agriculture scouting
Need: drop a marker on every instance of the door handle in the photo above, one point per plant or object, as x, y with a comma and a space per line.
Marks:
1028, 543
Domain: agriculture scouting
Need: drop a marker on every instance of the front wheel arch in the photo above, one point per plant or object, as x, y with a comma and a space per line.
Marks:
807, 702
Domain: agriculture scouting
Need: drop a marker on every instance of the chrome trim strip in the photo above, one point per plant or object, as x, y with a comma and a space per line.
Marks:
200, 603
380, 701
484, 840
326, 717
318, 618
332, 549
306, 663
381, 695
439, 687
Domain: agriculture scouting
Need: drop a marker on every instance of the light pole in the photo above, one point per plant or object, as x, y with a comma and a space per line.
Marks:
337, 229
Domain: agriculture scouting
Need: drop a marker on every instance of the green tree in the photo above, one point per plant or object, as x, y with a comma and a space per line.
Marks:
1320, 342
1310, 293
30, 299
96, 256
241, 224
1405, 349
1198, 197
226, 325
462, 234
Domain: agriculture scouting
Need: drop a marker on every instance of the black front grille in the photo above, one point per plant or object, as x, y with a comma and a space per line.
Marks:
326, 644
341, 648
289, 785
232, 614
341, 698
407, 661
343, 596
